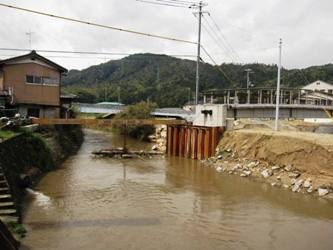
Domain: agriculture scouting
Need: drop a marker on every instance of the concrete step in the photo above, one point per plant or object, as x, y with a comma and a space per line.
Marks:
3, 183
4, 190
5, 196
7, 218
7, 211
6, 204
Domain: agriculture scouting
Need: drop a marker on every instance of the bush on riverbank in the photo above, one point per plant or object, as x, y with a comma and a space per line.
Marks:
140, 110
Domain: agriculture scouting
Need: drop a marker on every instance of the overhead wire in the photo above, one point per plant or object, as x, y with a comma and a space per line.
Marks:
112, 28
217, 42
187, 4
181, 1
84, 52
219, 31
160, 3
218, 66
303, 75
97, 25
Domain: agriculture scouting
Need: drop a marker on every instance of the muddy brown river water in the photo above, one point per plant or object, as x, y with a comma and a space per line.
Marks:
171, 203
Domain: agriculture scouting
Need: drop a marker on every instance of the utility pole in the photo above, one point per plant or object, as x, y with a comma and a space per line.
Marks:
158, 73
248, 82
197, 78
105, 92
278, 88
118, 94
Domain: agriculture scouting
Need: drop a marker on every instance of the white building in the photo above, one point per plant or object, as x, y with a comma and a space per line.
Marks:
320, 86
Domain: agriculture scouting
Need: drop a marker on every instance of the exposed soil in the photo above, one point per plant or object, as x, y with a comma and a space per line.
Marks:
308, 153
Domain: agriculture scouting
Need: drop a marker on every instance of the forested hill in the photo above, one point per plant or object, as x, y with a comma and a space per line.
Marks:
167, 80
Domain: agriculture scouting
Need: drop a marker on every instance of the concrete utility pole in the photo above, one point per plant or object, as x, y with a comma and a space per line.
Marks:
278, 88
248, 82
118, 94
197, 78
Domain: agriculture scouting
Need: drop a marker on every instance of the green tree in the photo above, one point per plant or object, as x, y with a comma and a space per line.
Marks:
140, 110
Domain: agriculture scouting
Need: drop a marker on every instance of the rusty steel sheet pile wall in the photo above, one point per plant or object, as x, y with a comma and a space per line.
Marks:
193, 142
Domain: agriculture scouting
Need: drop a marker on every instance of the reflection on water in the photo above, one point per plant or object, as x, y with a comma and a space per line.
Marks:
39, 198
171, 203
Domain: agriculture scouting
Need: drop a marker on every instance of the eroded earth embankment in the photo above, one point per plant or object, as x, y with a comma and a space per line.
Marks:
299, 161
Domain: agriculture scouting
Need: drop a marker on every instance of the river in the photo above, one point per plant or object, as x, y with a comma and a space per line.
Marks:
166, 203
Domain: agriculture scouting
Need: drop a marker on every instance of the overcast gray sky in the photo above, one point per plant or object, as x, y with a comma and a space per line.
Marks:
252, 28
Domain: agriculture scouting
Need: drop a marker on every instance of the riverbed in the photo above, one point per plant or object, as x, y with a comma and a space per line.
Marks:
166, 203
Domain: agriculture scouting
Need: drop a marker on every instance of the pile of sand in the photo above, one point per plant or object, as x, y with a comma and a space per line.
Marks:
308, 152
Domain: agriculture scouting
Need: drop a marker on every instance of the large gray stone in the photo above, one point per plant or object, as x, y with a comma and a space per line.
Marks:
219, 169
297, 186
266, 173
246, 173
275, 168
322, 191
307, 183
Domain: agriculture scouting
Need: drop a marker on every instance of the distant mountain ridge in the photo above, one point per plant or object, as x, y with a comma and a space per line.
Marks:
168, 81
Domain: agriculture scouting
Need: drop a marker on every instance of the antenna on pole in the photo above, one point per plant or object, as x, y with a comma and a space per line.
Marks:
278, 88
29, 34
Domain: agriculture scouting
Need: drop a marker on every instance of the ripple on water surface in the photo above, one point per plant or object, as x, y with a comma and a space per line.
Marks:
167, 203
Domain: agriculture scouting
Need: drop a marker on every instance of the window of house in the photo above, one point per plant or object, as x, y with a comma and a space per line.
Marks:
37, 80
29, 79
42, 80
33, 112
50, 81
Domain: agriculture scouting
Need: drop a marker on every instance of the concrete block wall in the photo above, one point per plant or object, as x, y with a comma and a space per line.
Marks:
210, 115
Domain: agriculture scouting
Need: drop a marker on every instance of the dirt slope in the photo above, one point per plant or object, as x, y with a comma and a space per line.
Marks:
308, 152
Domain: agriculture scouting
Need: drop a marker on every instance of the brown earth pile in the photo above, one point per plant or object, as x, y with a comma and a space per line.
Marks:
308, 152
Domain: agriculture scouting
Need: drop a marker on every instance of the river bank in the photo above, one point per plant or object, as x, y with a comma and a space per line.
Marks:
26, 157
297, 161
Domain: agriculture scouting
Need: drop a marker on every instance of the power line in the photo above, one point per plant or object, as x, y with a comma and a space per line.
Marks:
219, 44
96, 24
181, 1
85, 52
218, 67
79, 57
163, 3
227, 53
303, 75
114, 28
219, 30
172, 3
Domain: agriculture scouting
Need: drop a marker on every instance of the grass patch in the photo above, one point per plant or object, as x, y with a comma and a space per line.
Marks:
6, 134
17, 229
